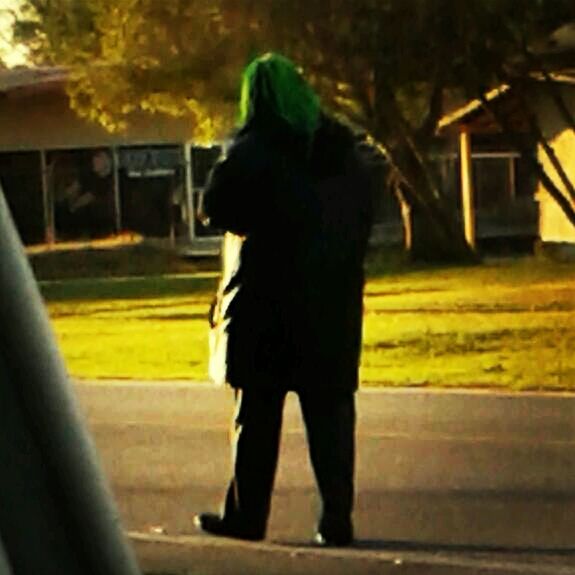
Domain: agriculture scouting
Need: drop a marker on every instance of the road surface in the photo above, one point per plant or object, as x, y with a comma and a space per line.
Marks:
450, 474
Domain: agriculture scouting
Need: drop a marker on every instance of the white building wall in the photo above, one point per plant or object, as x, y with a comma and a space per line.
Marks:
553, 224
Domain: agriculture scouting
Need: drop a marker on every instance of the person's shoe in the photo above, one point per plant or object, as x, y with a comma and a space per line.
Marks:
216, 525
332, 540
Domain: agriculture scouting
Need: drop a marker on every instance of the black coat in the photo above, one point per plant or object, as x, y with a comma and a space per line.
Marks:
297, 221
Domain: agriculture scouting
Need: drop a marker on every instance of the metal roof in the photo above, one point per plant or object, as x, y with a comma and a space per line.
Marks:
13, 79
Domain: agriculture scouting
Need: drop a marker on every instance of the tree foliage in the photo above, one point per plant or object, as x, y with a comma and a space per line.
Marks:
387, 64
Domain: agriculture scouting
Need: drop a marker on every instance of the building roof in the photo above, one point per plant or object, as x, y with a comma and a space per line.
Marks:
474, 115
25, 79
464, 113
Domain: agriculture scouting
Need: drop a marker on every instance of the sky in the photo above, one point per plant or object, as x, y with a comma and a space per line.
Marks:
11, 54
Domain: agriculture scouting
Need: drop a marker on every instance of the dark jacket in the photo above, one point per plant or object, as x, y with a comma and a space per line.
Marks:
297, 218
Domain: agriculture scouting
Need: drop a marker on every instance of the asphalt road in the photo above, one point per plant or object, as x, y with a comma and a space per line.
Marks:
467, 475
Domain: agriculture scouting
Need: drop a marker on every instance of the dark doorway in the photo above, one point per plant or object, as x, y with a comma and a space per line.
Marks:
21, 178
151, 189
146, 205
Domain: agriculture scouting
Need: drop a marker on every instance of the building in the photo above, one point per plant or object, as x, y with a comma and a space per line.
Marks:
489, 177
554, 226
503, 194
66, 178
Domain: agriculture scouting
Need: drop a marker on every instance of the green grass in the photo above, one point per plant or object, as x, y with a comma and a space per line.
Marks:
505, 324
149, 328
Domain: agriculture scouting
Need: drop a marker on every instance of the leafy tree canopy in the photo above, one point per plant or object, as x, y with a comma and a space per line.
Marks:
185, 56
387, 64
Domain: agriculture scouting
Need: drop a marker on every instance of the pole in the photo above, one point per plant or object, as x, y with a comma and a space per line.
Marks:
467, 187
48, 201
72, 526
512, 178
116, 184
189, 191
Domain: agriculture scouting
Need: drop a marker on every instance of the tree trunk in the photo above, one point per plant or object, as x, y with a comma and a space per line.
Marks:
405, 218
434, 233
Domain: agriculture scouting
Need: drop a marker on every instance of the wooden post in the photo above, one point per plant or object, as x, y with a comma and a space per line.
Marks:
189, 191
48, 201
512, 178
116, 184
467, 191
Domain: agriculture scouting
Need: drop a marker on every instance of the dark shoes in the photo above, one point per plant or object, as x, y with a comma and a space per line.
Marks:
216, 525
333, 540
334, 532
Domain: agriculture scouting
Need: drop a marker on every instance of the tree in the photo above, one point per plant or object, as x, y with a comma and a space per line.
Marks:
130, 55
386, 64
514, 64
419, 52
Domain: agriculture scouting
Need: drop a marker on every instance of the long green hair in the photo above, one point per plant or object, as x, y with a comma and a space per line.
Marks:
273, 86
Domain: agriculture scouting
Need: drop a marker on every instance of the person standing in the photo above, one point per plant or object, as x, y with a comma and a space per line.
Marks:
292, 196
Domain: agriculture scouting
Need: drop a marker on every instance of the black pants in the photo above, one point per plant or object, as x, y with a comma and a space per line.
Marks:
330, 426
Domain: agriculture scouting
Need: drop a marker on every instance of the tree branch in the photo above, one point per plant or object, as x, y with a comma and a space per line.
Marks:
551, 85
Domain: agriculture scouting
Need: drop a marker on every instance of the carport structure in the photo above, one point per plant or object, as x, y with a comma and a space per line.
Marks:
67, 178
497, 192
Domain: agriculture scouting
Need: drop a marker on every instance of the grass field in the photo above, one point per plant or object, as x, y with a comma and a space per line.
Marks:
509, 323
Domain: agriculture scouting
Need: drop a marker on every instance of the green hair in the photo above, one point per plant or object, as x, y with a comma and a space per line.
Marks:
272, 85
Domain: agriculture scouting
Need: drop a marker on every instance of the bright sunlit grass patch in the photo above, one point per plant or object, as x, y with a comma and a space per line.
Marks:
145, 328
134, 348
507, 324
